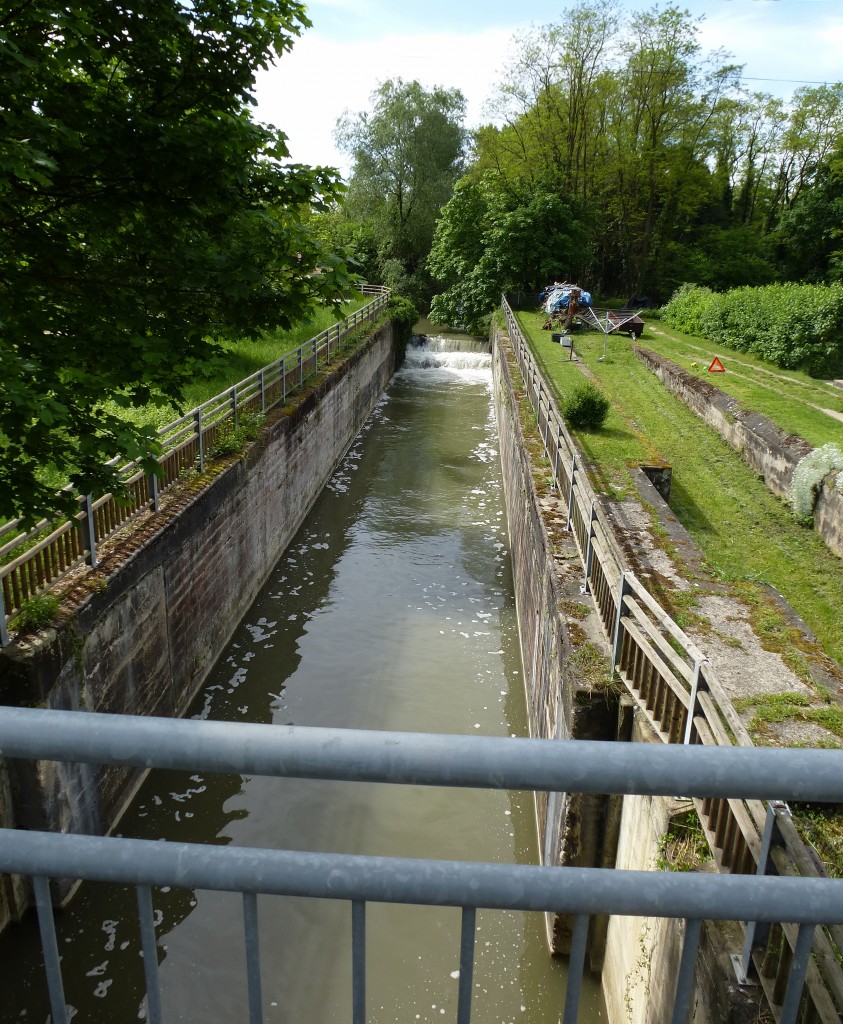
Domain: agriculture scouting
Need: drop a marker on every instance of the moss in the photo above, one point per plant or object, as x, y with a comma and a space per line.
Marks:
771, 708
575, 609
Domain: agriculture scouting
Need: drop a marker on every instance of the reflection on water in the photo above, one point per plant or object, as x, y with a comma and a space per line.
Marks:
392, 609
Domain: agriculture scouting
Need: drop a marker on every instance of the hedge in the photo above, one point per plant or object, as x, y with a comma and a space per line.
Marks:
795, 326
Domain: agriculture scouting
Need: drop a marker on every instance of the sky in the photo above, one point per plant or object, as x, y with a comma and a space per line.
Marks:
354, 45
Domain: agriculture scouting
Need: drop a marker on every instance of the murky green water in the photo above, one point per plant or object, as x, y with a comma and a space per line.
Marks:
393, 609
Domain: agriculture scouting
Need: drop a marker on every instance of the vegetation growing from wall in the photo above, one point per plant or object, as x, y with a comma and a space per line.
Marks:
790, 325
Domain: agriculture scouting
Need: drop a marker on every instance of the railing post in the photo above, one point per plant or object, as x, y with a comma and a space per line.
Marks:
89, 530
282, 366
571, 493
200, 442
617, 637
301, 365
690, 728
757, 932
263, 391
233, 396
589, 549
4, 633
154, 491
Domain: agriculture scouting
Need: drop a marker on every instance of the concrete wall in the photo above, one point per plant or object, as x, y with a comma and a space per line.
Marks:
642, 953
542, 629
637, 958
145, 644
573, 829
771, 452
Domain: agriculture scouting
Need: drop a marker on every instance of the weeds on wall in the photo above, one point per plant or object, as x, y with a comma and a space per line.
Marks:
684, 846
36, 613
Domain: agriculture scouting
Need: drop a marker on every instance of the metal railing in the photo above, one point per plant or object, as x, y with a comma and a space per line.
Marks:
413, 759
675, 686
38, 558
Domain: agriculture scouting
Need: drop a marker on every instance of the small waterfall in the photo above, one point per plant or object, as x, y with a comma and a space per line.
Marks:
457, 352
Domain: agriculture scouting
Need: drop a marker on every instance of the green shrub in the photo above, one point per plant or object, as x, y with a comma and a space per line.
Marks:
809, 475
36, 612
586, 407
404, 317
232, 438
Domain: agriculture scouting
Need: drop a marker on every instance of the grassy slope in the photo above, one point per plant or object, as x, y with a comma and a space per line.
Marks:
241, 360
745, 533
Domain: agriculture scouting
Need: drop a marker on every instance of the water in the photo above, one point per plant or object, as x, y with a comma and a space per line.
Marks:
392, 609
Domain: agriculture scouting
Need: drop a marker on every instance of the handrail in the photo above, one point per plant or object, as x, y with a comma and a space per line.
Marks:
412, 758
672, 682
52, 548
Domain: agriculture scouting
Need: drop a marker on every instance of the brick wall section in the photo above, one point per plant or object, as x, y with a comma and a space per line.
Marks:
771, 452
145, 644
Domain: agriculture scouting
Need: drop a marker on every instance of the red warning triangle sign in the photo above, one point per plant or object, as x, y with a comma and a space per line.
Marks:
716, 366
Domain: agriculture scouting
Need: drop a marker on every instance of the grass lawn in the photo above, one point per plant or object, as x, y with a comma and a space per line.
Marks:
238, 361
792, 400
745, 533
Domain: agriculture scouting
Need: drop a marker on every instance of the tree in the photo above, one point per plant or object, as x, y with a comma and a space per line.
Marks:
145, 218
408, 154
493, 238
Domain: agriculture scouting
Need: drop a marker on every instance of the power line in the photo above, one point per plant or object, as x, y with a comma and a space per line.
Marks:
786, 81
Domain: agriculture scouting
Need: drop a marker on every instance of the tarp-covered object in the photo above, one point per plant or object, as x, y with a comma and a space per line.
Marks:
558, 297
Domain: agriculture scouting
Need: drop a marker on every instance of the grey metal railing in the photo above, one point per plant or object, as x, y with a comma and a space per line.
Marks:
674, 685
403, 758
38, 558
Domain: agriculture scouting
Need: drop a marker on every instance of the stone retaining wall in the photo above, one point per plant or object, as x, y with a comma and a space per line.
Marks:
771, 452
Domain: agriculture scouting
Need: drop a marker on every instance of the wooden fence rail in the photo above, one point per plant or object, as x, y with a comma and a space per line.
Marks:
35, 560
675, 687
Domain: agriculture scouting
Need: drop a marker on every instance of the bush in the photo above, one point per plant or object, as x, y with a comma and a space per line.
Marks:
809, 475
404, 317
586, 407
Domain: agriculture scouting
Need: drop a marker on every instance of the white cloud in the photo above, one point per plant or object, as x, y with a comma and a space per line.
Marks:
311, 86
325, 75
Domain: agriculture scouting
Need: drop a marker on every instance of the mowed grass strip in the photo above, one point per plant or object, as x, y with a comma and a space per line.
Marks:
745, 533
792, 400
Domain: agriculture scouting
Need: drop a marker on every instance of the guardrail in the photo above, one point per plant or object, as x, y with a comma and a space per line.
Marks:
45, 554
412, 759
676, 688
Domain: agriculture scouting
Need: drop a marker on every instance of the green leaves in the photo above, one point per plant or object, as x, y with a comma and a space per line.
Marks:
492, 238
408, 154
144, 219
